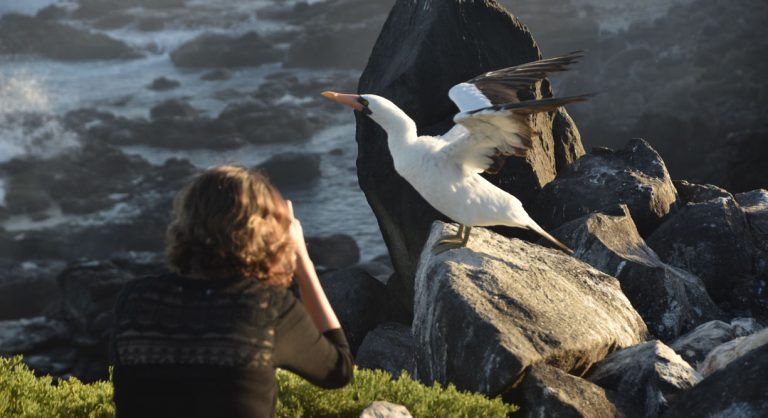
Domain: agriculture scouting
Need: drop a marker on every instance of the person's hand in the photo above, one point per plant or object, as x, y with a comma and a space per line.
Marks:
297, 235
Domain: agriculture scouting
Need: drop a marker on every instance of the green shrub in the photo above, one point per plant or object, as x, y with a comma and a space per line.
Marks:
25, 396
22, 395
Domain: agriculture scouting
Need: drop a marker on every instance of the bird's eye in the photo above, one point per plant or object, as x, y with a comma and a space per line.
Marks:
362, 101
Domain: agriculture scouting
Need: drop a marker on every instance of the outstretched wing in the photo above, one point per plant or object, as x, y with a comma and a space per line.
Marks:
493, 122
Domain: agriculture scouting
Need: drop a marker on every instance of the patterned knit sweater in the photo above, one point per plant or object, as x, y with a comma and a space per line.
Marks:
209, 347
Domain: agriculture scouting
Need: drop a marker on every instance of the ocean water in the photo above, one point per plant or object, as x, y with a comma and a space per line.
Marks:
332, 204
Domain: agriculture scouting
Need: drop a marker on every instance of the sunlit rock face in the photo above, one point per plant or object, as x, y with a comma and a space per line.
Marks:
634, 175
424, 48
670, 299
484, 313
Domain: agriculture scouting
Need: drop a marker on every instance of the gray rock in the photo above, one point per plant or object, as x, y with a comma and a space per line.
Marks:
670, 300
697, 193
486, 312
212, 51
28, 35
219, 74
726, 353
546, 391
173, 109
738, 390
418, 37
694, 346
713, 240
635, 176
389, 347
163, 84
27, 295
333, 251
292, 169
650, 374
359, 301
384, 409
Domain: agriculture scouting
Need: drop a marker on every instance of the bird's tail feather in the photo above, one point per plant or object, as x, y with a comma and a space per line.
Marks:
539, 230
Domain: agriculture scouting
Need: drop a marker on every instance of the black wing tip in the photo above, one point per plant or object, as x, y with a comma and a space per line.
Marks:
529, 104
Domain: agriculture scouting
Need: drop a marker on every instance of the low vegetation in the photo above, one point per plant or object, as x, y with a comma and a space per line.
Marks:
22, 394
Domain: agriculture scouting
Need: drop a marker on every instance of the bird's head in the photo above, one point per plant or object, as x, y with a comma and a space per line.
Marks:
381, 110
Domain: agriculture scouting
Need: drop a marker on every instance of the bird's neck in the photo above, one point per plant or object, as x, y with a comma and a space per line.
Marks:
401, 131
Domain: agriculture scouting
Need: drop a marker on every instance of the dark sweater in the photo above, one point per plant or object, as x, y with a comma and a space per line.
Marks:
209, 348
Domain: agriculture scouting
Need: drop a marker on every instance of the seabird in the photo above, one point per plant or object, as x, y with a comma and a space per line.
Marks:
494, 121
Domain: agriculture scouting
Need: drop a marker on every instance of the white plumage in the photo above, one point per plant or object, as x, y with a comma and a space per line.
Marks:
446, 169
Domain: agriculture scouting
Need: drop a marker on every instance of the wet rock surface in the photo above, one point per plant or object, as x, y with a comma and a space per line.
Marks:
335, 251
290, 170
520, 299
670, 300
460, 38
650, 374
634, 175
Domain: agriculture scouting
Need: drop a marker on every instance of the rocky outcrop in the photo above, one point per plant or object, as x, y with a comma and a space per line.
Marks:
634, 175
463, 40
546, 391
389, 347
670, 300
28, 35
738, 390
726, 353
173, 109
713, 240
650, 374
212, 50
163, 84
486, 312
291, 169
694, 346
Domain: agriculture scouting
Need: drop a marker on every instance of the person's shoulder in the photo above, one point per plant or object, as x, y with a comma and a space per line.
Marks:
144, 285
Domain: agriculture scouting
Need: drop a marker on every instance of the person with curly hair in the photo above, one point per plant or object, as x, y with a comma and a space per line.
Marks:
205, 340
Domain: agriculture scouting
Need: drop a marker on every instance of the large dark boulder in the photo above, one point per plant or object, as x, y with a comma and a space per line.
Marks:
546, 391
755, 206
358, 299
462, 39
484, 313
738, 390
635, 176
650, 374
389, 347
697, 193
670, 300
28, 35
713, 240
747, 156
335, 251
212, 50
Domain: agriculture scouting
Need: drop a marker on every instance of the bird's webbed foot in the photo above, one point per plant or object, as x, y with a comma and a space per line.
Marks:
450, 242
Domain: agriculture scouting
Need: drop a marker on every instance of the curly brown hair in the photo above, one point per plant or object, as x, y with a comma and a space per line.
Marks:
230, 221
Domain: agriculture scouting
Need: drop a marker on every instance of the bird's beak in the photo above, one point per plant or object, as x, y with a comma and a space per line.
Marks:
345, 99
